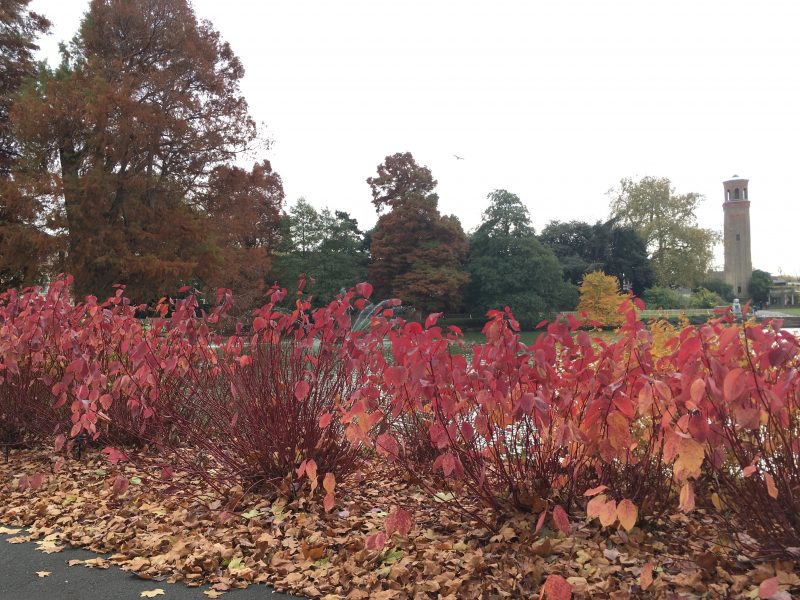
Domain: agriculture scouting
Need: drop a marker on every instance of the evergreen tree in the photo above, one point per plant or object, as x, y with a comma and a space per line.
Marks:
509, 266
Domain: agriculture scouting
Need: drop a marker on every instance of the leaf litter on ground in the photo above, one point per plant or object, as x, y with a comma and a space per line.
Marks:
424, 552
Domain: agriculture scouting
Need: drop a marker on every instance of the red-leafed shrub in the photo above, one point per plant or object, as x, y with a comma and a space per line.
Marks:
263, 409
31, 322
737, 394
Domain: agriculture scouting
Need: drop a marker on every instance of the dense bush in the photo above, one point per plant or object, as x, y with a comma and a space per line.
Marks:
623, 428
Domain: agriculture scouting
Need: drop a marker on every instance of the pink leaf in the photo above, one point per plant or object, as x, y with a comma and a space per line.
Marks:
768, 588
364, 289
325, 420
400, 521
431, 320
375, 541
301, 389
561, 520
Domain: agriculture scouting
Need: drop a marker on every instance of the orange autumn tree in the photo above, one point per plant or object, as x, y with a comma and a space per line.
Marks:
24, 239
130, 132
417, 254
601, 299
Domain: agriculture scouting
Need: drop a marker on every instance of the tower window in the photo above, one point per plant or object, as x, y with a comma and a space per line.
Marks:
745, 193
727, 195
736, 194
737, 237
738, 289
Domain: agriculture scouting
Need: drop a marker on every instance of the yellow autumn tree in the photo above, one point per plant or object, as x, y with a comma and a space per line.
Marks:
600, 298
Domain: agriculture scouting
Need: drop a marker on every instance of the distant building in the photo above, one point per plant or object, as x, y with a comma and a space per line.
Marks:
784, 292
738, 262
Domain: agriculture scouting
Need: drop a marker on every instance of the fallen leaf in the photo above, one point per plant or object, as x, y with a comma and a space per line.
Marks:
646, 576
213, 593
556, 588
8, 530
43, 573
152, 593
768, 588
561, 520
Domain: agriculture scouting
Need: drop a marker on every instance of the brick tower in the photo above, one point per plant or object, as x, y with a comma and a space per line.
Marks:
738, 264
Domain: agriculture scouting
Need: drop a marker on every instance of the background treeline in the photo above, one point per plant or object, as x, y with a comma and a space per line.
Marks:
123, 164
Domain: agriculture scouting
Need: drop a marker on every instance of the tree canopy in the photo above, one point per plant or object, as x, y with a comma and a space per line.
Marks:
681, 252
605, 246
132, 129
758, 287
509, 266
416, 252
326, 246
24, 239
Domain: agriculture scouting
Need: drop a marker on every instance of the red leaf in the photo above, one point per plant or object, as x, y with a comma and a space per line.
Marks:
375, 541
556, 588
768, 588
325, 420
734, 385
387, 446
431, 320
329, 482
120, 485
595, 490
561, 519
114, 456
59, 444
364, 289
400, 521
540, 521
328, 502
36, 481
448, 464
646, 576
301, 389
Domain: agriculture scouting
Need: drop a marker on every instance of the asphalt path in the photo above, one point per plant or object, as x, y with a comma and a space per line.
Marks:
19, 581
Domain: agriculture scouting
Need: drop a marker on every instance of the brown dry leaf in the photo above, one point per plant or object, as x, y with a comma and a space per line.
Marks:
152, 593
42, 573
213, 593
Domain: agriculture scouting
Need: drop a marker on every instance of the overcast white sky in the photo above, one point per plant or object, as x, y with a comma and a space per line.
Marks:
554, 101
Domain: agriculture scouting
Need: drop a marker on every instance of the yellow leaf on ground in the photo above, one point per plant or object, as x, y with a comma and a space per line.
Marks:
213, 593
152, 593
43, 573
8, 530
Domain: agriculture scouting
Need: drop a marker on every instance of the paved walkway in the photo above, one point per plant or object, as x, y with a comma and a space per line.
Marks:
19, 581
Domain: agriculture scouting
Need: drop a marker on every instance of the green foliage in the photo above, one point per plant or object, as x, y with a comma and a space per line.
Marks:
681, 251
662, 297
703, 298
328, 247
758, 287
416, 253
608, 247
509, 266
721, 288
